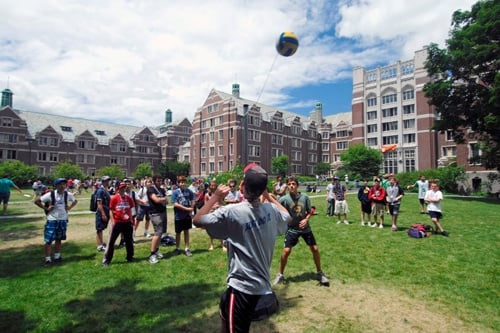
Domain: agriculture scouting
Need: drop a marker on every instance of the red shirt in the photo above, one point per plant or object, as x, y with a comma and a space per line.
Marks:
121, 207
377, 194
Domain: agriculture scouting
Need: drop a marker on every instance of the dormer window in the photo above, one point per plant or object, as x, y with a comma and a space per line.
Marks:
66, 129
99, 132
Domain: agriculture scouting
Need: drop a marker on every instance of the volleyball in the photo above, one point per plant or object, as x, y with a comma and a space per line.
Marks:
287, 43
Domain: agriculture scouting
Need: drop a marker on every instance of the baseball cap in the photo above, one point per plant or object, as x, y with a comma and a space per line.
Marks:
59, 181
122, 185
104, 178
336, 178
255, 179
376, 180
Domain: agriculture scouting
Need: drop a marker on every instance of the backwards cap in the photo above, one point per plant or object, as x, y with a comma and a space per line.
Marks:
255, 179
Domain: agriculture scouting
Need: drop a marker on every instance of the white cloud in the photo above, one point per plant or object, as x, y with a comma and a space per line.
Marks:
128, 61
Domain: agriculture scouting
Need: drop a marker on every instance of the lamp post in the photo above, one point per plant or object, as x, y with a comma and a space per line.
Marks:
244, 149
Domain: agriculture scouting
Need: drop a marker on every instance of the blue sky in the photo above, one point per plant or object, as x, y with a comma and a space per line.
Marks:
127, 61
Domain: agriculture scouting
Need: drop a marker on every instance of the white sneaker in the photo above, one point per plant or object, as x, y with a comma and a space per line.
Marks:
346, 222
101, 248
323, 279
381, 226
374, 225
362, 223
338, 222
153, 259
147, 235
158, 254
279, 279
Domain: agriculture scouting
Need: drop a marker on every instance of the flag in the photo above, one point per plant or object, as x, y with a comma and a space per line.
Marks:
386, 148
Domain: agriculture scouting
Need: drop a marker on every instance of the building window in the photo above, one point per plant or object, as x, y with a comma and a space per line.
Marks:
296, 155
212, 136
389, 140
325, 147
408, 94
277, 125
390, 112
342, 134
203, 137
296, 143
313, 158
474, 154
391, 162
409, 123
231, 133
42, 156
12, 154
342, 145
449, 135
392, 98
6, 122
409, 138
212, 151
220, 166
8, 138
388, 73
407, 68
276, 139
275, 152
53, 157
212, 167
372, 101
221, 135
390, 126
325, 135
66, 129
371, 128
221, 150
254, 135
325, 158
231, 149
371, 142
203, 152
254, 151
371, 115
408, 109
371, 77
203, 167
449, 151
100, 132
86, 144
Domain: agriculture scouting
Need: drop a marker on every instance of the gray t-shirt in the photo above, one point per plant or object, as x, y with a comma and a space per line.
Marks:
250, 232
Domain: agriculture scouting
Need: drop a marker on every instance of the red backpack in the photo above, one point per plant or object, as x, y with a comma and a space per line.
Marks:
420, 230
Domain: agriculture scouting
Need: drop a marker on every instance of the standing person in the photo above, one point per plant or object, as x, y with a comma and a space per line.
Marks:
300, 209
279, 187
39, 189
366, 203
394, 194
142, 203
433, 199
102, 214
233, 196
212, 187
330, 198
129, 191
55, 205
423, 187
121, 206
251, 228
183, 201
158, 212
377, 196
340, 195
384, 182
5, 185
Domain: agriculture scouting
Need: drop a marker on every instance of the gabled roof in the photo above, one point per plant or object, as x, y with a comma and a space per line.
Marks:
69, 127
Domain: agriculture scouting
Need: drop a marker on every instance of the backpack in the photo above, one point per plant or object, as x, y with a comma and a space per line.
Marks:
167, 240
53, 200
420, 230
93, 201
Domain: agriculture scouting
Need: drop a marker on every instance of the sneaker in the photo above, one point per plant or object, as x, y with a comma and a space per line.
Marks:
147, 235
362, 223
153, 259
374, 225
48, 262
105, 264
211, 248
346, 222
158, 254
381, 226
445, 233
338, 222
323, 279
101, 248
176, 252
58, 259
130, 259
279, 279
394, 228
188, 253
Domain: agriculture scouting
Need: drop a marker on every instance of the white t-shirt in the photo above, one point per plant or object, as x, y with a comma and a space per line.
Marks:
434, 206
59, 212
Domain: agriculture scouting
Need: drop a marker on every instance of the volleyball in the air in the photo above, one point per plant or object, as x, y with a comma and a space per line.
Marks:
287, 43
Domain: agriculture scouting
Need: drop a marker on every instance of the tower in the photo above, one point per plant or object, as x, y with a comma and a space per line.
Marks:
6, 98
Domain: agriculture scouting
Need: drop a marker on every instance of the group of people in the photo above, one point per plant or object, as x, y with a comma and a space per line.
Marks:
379, 200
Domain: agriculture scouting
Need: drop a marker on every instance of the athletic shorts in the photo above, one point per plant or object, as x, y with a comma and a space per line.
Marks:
4, 198
236, 309
55, 230
435, 215
184, 224
99, 223
292, 238
143, 211
159, 222
341, 207
366, 207
394, 209
379, 208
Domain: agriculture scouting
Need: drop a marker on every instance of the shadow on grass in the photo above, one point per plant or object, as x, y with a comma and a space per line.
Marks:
475, 199
18, 229
15, 322
126, 308
16, 262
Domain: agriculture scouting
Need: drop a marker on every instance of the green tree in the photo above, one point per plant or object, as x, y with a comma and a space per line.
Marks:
360, 160
143, 170
19, 172
465, 86
322, 168
170, 169
112, 171
279, 165
68, 170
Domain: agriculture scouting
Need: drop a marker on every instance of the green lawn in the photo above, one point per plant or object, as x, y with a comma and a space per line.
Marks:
381, 281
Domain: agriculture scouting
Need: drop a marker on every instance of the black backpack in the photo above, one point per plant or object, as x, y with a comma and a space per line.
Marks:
53, 200
93, 201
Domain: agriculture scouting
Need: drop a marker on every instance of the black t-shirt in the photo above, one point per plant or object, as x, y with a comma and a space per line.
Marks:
156, 208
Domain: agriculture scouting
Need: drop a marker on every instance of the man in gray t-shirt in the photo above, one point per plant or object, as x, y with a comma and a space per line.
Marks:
250, 229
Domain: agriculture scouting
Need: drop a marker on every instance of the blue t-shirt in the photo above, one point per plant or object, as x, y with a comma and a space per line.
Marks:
184, 198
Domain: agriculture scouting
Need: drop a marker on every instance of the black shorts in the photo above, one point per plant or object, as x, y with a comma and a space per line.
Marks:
236, 309
184, 224
366, 207
292, 238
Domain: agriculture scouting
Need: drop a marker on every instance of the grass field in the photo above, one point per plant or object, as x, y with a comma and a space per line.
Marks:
381, 281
